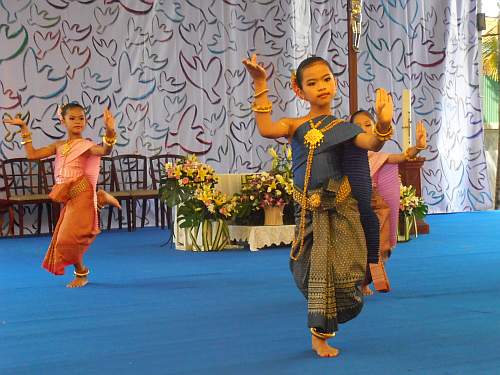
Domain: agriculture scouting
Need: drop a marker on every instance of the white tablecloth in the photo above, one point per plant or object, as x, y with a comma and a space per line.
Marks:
261, 236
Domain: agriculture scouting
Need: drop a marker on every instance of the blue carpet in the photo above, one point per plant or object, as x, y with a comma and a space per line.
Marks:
154, 310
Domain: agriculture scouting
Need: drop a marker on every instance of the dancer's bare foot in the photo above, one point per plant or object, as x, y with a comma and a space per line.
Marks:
78, 282
81, 276
322, 348
104, 198
366, 290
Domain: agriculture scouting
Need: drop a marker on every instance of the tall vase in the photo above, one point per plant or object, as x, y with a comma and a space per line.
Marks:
210, 235
404, 225
273, 215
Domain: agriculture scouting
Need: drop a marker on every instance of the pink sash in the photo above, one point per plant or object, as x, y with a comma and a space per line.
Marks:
90, 168
385, 177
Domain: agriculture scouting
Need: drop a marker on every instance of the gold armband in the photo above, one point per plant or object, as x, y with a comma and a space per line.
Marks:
420, 148
26, 140
262, 108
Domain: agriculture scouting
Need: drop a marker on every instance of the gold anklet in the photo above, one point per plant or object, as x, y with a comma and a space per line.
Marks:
320, 335
84, 274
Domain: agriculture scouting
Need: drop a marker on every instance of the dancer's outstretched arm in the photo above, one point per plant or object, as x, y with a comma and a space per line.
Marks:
411, 152
31, 152
262, 105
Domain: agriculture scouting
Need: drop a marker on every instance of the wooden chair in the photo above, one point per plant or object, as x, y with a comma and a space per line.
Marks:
26, 184
156, 170
107, 181
48, 171
5, 207
131, 175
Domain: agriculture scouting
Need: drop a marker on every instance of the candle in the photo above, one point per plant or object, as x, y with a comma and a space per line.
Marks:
406, 114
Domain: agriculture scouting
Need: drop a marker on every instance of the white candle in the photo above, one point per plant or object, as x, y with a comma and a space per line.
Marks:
406, 114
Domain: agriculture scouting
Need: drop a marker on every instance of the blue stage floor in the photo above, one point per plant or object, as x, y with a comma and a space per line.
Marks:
154, 310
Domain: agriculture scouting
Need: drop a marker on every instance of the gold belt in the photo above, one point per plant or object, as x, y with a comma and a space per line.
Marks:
317, 199
81, 186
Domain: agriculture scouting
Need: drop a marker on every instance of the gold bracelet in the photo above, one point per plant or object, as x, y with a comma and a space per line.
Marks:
25, 141
420, 148
110, 142
260, 93
262, 108
320, 335
26, 135
382, 136
407, 155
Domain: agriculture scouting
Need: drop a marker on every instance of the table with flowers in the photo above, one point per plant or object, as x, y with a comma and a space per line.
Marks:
206, 203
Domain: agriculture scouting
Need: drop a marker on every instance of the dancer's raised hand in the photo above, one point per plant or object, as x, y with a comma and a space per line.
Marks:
383, 108
255, 69
109, 120
15, 121
421, 136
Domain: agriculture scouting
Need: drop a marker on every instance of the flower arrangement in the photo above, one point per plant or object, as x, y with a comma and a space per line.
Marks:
205, 204
267, 189
183, 178
190, 185
410, 204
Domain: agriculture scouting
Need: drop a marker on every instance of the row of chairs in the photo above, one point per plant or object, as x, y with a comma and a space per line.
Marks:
129, 178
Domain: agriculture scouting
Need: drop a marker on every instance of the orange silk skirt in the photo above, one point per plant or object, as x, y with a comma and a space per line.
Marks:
383, 212
76, 229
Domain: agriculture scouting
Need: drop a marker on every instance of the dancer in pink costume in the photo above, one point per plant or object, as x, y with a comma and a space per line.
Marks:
76, 171
386, 182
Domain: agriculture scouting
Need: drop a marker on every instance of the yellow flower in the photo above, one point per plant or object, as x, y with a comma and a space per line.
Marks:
271, 151
192, 158
202, 173
220, 200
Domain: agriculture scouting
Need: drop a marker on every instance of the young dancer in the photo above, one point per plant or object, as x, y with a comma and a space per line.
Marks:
76, 171
386, 182
328, 257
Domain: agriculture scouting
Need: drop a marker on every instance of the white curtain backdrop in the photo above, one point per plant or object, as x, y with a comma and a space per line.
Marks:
171, 73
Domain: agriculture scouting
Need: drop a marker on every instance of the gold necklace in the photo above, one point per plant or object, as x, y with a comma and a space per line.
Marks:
66, 148
314, 136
